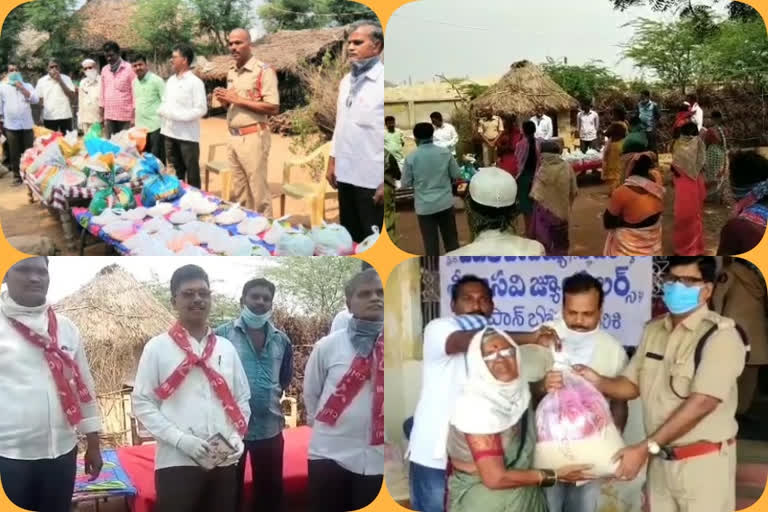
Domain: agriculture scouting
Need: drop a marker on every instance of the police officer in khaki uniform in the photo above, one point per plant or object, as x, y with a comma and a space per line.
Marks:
685, 373
251, 96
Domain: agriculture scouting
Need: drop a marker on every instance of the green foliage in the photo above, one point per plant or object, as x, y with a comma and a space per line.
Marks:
57, 18
736, 10
223, 307
740, 53
301, 14
9, 37
316, 285
582, 82
217, 18
163, 24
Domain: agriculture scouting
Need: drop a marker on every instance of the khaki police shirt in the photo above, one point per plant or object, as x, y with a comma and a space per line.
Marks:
245, 81
663, 369
490, 128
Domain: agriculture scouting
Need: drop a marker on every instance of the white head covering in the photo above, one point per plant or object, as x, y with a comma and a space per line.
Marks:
36, 318
88, 61
493, 187
489, 406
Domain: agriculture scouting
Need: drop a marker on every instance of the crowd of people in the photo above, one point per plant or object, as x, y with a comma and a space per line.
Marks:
703, 169
124, 95
473, 433
195, 384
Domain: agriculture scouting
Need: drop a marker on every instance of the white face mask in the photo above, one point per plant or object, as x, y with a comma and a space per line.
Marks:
91, 74
572, 335
579, 345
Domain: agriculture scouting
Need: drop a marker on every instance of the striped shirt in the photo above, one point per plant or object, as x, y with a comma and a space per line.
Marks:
117, 92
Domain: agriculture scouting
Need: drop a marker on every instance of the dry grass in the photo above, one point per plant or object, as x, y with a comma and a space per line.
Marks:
523, 90
321, 83
107, 20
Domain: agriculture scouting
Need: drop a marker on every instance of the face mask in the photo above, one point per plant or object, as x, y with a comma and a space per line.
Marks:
91, 74
361, 66
681, 299
363, 334
253, 320
14, 77
571, 335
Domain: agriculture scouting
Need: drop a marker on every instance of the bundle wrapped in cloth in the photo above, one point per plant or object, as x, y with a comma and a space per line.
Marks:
574, 425
158, 187
113, 195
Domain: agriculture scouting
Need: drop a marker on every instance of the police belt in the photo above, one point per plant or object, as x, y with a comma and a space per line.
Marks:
247, 130
693, 450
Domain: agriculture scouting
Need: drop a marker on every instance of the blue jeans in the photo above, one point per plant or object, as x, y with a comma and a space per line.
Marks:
570, 498
427, 488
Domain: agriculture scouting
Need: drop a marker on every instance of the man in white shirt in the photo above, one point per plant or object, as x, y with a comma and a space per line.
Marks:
184, 104
89, 97
56, 92
543, 125
446, 341
356, 163
489, 127
48, 395
588, 126
16, 96
697, 112
492, 196
445, 134
190, 387
583, 341
344, 397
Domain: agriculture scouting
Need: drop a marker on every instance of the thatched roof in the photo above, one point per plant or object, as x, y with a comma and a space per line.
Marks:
522, 90
116, 316
107, 20
282, 50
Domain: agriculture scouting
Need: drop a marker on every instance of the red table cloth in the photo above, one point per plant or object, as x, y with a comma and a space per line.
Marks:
139, 463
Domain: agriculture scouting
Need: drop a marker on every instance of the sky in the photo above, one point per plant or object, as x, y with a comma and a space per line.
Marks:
481, 38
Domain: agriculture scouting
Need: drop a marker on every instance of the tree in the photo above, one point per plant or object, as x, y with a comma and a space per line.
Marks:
9, 38
58, 19
742, 12
582, 82
162, 24
217, 18
736, 10
302, 14
740, 53
673, 51
313, 285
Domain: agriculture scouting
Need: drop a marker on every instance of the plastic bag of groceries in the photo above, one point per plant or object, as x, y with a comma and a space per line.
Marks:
158, 187
94, 132
574, 425
69, 144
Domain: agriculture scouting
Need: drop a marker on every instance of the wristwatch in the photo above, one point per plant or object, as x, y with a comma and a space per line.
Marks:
653, 447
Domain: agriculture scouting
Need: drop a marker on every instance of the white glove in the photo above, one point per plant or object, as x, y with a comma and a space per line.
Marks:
192, 446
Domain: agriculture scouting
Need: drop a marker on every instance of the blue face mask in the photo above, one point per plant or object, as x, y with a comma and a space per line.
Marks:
254, 321
14, 77
681, 299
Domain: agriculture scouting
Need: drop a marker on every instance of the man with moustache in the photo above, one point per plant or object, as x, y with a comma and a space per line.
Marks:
356, 163
251, 97
116, 99
446, 341
48, 395
344, 397
190, 387
685, 371
88, 96
267, 357
148, 91
584, 342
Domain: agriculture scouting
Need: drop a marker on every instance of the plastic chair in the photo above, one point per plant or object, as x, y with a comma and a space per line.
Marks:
315, 192
220, 167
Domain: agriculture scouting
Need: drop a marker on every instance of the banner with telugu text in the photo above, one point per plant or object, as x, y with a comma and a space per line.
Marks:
528, 290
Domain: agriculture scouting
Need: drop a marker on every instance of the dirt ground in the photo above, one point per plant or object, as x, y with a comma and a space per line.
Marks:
18, 217
586, 227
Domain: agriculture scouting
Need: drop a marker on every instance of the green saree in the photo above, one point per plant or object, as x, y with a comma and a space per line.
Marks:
467, 493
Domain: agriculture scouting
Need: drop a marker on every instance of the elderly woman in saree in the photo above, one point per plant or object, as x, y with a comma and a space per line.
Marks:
633, 216
616, 133
554, 190
492, 433
689, 157
717, 159
749, 186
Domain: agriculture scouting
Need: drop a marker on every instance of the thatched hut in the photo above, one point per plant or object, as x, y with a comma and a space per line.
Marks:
284, 51
116, 316
106, 20
526, 88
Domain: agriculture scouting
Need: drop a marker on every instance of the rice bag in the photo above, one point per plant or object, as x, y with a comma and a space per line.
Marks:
574, 425
369, 241
69, 145
118, 195
50, 155
332, 240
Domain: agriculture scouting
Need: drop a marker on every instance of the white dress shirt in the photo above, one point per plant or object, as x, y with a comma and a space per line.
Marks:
183, 105
56, 104
357, 143
88, 100
15, 108
500, 243
341, 320
589, 125
446, 137
194, 407
32, 421
543, 126
348, 443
